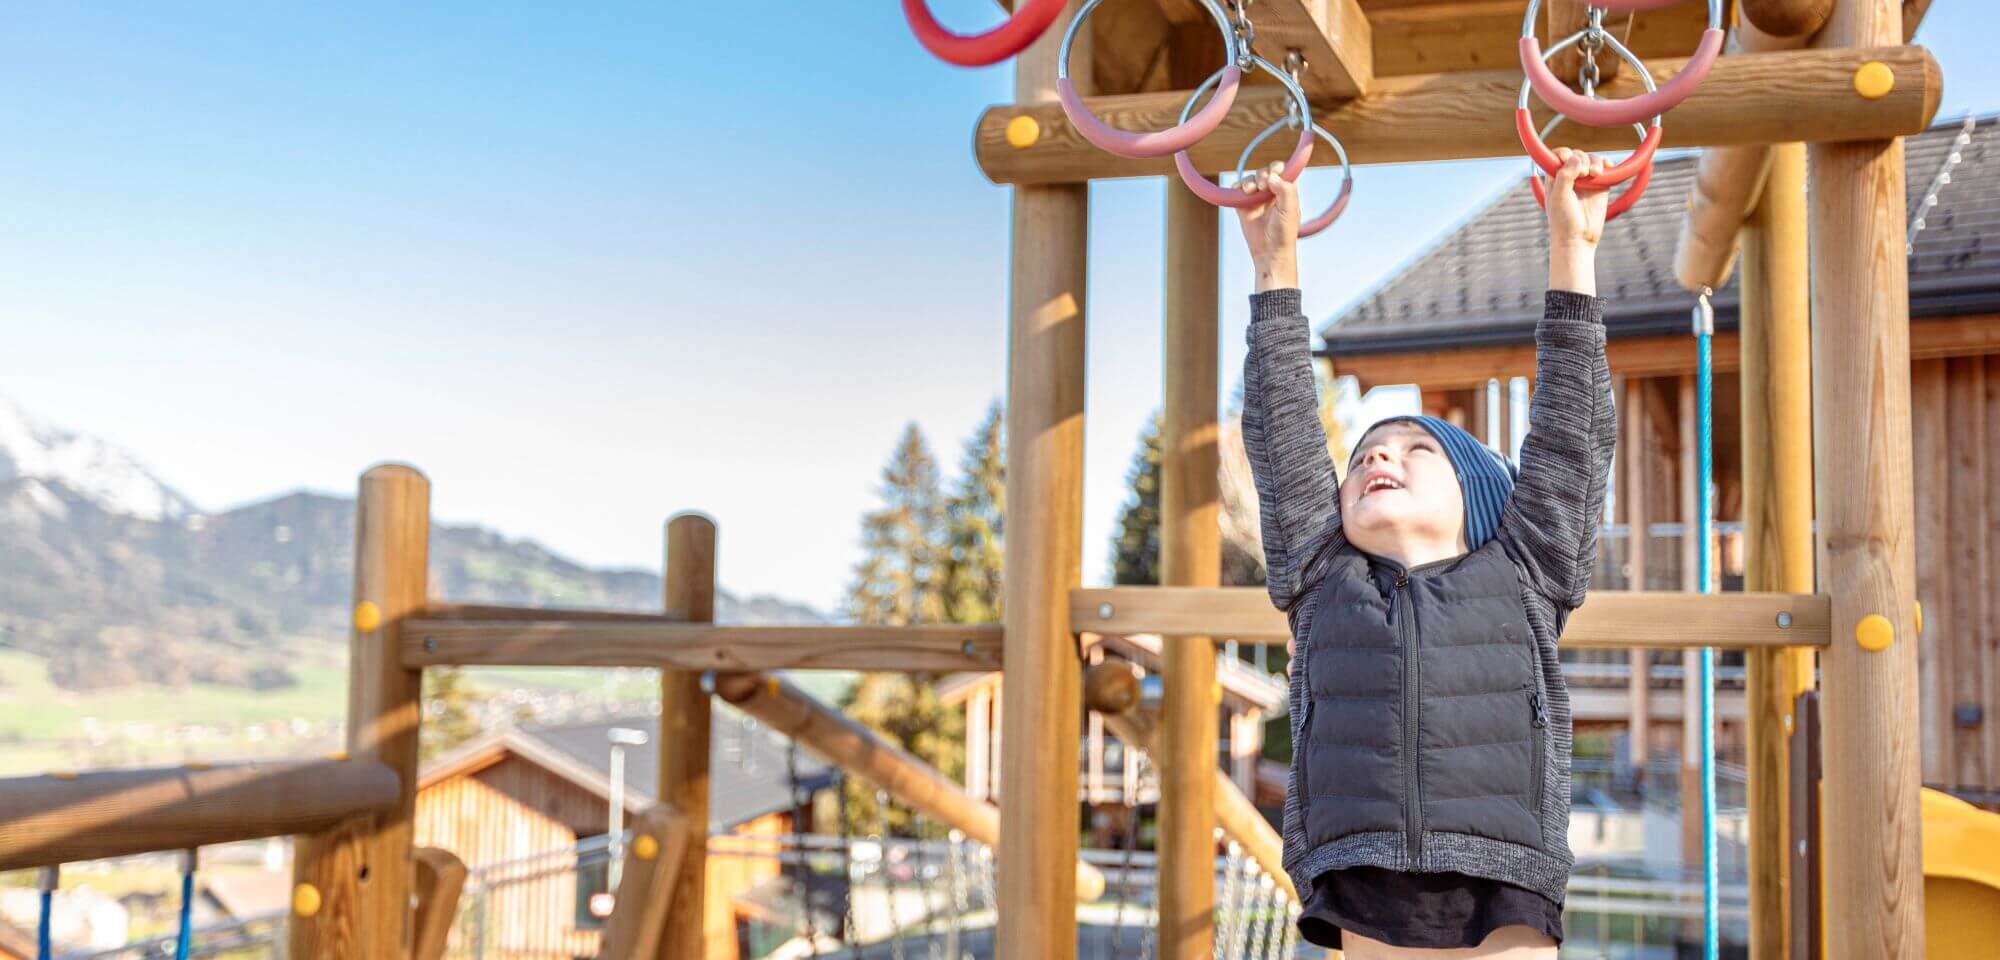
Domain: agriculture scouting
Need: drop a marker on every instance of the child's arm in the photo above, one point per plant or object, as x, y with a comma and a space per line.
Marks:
1297, 497
1550, 525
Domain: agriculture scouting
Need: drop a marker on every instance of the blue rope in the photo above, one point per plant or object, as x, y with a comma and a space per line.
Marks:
42, 951
1705, 517
186, 941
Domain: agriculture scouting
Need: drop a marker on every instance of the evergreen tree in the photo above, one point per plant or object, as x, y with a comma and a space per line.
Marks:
1135, 554
899, 580
975, 519
448, 698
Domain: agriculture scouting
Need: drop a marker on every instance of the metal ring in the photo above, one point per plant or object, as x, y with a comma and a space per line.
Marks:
1545, 158
1026, 25
1619, 204
1156, 143
1608, 113
1207, 189
1338, 206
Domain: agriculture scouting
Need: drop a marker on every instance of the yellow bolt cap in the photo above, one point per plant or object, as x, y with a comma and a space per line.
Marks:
1023, 132
1874, 633
645, 847
1920, 616
305, 899
367, 616
1874, 80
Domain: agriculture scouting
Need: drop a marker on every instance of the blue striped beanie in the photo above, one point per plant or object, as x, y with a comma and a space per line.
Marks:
1485, 475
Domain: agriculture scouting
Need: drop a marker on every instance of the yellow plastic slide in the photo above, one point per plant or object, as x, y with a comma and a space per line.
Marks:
1961, 879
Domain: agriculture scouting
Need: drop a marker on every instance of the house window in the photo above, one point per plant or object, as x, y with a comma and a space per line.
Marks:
593, 886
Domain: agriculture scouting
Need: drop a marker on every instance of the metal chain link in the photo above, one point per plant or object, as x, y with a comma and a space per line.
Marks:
1246, 33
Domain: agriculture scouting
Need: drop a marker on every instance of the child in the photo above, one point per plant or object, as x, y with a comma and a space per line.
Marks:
1429, 801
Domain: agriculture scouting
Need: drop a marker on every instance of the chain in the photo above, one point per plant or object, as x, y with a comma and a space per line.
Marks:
1295, 64
1246, 33
1592, 44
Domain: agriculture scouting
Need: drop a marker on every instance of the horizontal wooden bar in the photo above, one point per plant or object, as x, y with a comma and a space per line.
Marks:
558, 640
475, 611
66, 818
1610, 618
1781, 97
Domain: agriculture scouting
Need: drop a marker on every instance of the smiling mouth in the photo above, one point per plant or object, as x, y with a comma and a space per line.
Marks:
1376, 485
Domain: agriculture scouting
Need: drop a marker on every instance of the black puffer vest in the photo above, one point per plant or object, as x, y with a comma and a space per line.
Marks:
1426, 705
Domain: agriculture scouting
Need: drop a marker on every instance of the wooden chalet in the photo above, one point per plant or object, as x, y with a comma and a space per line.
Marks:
511, 803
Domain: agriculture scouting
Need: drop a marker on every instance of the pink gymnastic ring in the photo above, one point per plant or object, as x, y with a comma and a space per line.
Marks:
1156, 143
1612, 113
1339, 205
1626, 169
1029, 21
1620, 203
1222, 196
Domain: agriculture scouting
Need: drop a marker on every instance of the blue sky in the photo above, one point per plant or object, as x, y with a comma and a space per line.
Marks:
584, 265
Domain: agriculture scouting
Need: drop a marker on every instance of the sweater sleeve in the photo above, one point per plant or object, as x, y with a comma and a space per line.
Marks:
1298, 496
1550, 524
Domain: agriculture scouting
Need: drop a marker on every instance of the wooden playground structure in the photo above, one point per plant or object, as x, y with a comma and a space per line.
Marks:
1396, 81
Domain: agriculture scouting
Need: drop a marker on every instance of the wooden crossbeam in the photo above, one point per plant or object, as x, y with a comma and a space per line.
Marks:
65, 818
1334, 37
1610, 618
1800, 95
556, 639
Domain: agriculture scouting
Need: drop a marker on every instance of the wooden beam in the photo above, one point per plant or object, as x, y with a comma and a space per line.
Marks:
1333, 35
1662, 356
1111, 686
846, 743
647, 890
65, 818
1234, 813
365, 870
558, 641
1639, 680
1190, 556
688, 593
1756, 98
1429, 37
1727, 182
1609, 619
1862, 486
1798, 19
1776, 386
1041, 724
440, 880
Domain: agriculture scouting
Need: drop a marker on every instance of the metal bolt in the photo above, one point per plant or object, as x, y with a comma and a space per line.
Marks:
1784, 621
1788, 723
1103, 611
1802, 848
430, 644
966, 648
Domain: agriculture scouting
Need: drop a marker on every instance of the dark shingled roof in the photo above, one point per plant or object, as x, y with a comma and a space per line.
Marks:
1482, 284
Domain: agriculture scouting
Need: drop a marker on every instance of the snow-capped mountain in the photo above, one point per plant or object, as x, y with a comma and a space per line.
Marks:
113, 479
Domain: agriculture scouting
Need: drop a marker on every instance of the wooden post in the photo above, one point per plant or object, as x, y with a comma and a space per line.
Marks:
1190, 556
440, 878
1776, 381
1867, 564
689, 589
648, 897
1639, 686
1690, 501
362, 872
1041, 723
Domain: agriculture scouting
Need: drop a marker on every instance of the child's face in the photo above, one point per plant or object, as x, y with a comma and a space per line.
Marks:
1401, 492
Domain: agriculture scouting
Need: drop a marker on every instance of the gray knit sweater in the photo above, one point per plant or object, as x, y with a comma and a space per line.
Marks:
1547, 535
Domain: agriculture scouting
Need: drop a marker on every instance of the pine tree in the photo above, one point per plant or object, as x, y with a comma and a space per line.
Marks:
448, 699
899, 580
975, 519
1135, 554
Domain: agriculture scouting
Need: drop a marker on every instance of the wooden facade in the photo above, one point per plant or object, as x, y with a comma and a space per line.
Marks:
507, 800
